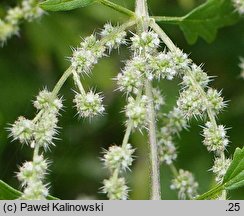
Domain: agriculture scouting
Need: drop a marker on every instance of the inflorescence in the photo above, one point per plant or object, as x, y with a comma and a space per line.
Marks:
28, 10
147, 64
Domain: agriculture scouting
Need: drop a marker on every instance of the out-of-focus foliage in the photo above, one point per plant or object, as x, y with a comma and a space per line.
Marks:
38, 57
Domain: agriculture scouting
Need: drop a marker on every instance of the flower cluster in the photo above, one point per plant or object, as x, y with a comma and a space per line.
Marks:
136, 111
220, 167
115, 188
215, 137
146, 42
87, 55
239, 5
186, 185
82, 62
174, 122
31, 175
39, 132
28, 10
89, 104
114, 41
117, 159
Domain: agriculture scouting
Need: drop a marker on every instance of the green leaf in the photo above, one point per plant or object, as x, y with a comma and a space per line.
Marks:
205, 20
64, 5
9, 193
234, 177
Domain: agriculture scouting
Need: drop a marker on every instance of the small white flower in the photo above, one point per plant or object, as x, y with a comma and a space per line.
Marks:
46, 129
180, 60
220, 167
186, 185
191, 103
89, 105
136, 111
115, 188
215, 137
22, 130
118, 157
33, 171
163, 66
158, 99
148, 41
198, 75
35, 191
115, 38
167, 152
46, 100
129, 81
214, 100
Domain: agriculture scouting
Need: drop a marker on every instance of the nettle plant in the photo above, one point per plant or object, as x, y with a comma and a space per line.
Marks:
153, 57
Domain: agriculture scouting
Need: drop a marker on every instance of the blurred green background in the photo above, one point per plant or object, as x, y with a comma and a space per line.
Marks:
38, 57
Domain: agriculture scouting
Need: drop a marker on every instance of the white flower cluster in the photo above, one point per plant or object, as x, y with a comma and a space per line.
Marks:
39, 132
197, 100
90, 49
89, 104
186, 185
220, 167
239, 6
28, 10
114, 41
136, 111
117, 159
31, 175
215, 137
115, 188
87, 55
173, 123
43, 131
146, 42
194, 100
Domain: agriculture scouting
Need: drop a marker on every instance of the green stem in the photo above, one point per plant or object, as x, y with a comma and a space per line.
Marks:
156, 187
168, 20
78, 83
127, 134
117, 7
174, 170
142, 14
61, 81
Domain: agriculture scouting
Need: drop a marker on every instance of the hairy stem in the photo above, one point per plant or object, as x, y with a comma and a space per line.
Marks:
156, 187
142, 13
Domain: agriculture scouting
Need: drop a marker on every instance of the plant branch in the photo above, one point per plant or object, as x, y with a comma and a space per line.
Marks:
117, 7
142, 14
167, 20
156, 187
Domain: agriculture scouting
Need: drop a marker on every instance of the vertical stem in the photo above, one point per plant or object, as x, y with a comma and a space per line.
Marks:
156, 187
142, 13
